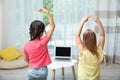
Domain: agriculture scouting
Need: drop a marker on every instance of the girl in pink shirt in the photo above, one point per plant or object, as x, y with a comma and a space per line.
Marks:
36, 51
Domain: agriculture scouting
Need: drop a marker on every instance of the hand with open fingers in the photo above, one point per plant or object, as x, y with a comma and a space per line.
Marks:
43, 10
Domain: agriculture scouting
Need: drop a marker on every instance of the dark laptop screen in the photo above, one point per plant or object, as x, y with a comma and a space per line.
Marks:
63, 51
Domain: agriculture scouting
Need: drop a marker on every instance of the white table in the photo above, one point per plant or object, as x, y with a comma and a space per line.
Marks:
62, 64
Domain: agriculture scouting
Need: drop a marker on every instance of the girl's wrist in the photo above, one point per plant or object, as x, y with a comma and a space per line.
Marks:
47, 12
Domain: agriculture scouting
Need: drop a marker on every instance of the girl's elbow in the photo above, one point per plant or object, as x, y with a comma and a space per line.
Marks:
26, 60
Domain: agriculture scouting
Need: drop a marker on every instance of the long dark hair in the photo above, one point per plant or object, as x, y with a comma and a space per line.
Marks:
36, 29
90, 42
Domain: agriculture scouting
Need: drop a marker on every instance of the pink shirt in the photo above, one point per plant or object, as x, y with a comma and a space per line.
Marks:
38, 52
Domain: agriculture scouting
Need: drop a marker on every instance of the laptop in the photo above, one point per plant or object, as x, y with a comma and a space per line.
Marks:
63, 53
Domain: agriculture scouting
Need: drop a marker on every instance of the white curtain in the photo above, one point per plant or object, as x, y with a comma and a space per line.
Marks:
67, 16
18, 14
109, 12
1, 21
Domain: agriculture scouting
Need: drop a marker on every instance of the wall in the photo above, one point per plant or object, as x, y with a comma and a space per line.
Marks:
1, 21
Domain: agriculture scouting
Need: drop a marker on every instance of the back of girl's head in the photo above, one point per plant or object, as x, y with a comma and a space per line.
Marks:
89, 39
36, 29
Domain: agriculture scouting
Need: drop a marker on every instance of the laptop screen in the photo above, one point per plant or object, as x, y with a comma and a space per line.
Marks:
62, 51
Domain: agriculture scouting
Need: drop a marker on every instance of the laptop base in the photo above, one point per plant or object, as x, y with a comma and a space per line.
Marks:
62, 59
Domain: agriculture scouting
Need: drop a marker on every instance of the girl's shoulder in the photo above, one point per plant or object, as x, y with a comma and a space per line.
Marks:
99, 48
84, 49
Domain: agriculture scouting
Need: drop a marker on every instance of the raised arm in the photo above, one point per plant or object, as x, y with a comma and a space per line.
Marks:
102, 32
51, 21
79, 42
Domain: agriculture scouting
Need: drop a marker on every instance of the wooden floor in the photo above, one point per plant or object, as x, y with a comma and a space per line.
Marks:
111, 72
